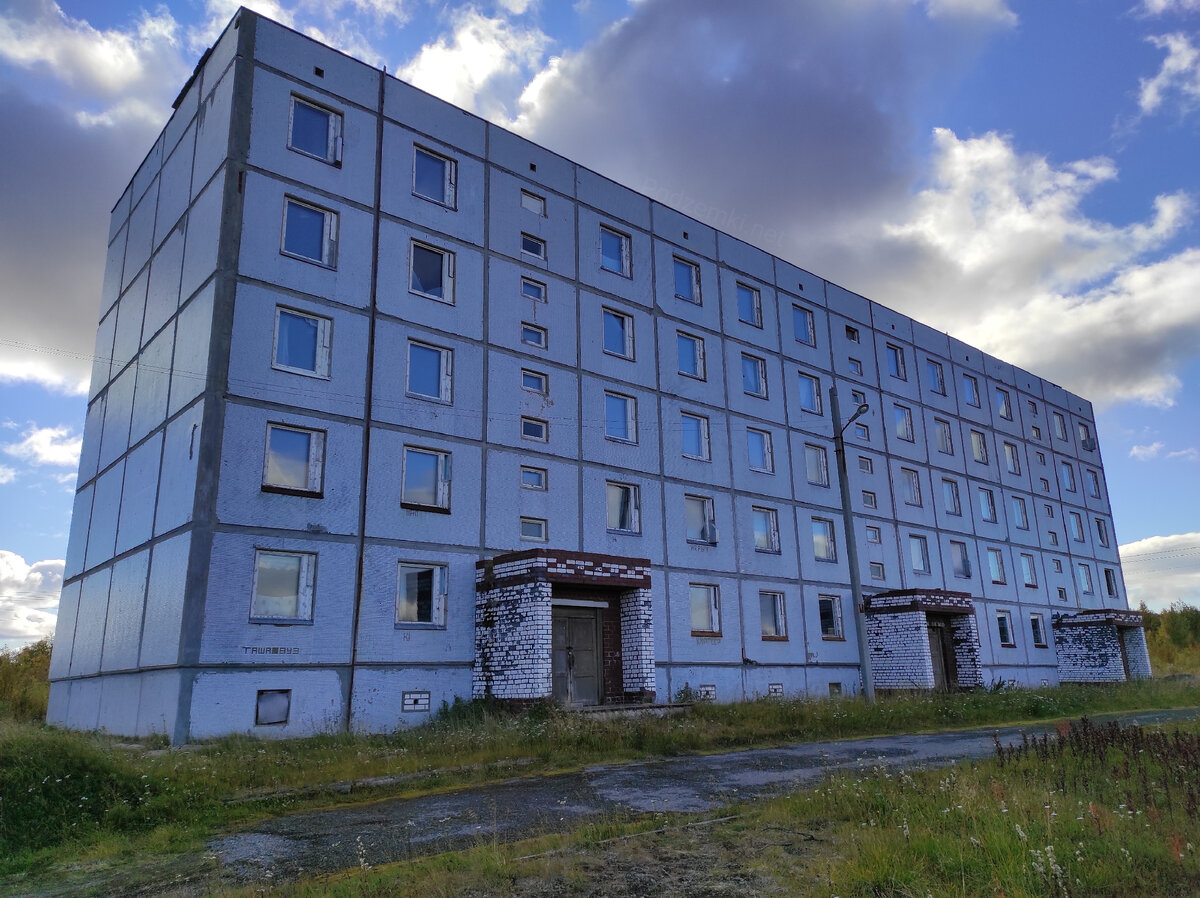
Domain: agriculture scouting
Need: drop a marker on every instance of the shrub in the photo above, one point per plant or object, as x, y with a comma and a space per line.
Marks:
25, 682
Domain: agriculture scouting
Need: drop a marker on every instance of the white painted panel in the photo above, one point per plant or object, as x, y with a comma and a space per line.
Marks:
64, 631
83, 709
158, 705
117, 415
212, 136
175, 186
106, 506
89, 624
138, 495
203, 236
164, 601
193, 331
81, 517
177, 481
378, 694
102, 355
224, 702
162, 298
152, 384
120, 695
141, 233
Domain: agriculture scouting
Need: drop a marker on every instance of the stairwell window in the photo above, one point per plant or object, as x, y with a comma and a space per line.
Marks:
435, 177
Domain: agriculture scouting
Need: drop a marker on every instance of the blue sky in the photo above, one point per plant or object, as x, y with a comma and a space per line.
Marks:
1020, 174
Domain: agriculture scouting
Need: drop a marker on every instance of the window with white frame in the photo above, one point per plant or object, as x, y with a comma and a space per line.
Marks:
1110, 582
430, 371
902, 416
620, 417
1085, 436
1057, 563
945, 437
1012, 458
749, 305
533, 530
810, 393
624, 507
315, 131
895, 360
532, 289
856, 366
912, 486
1004, 404
294, 460
535, 381
951, 501
532, 202
869, 499
852, 333
1084, 575
766, 529
705, 602
435, 177
1004, 629
987, 505
960, 559
1020, 513
979, 447
857, 398
618, 333
535, 429
1076, 522
824, 541
1067, 476
421, 594
862, 432
284, 586
426, 479
996, 566
533, 478
918, 549
687, 280
935, 377
754, 376
431, 272
970, 389
309, 232
694, 436
1102, 532
1036, 432
771, 615
877, 570
302, 343
874, 534
816, 464
804, 325
700, 523
829, 611
1060, 425
1062, 593
272, 707
1053, 537
1028, 570
1037, 628
534, 247
760, 453
691, 355
615, 251
534, 335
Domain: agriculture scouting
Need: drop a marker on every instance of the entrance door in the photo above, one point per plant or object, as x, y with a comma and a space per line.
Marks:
575, 655
941, 653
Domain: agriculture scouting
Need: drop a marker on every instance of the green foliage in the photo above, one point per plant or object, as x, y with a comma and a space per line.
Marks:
1173, 639
25, 682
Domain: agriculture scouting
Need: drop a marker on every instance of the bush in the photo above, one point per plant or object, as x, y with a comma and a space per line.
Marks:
25, 682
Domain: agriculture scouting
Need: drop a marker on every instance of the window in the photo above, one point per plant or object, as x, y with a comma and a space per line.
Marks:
302, 343
918, 549
284, 583
1036, 431
533, 335
421, 594
434, 176
1062, 593
1067, 476
912, 486
816, 463
1076, 522
1093, 480
294, 460
1037, 626
1057, 565
1032, 406
1053, 537
699, 522
950, 498
1005, 629
1060, 425
1012, 458
532, 289
618, 334
614, 251
535, 429
824, 545
620, 417
691, 355
624, 508
706, 608
432, 272
430, 371
895, 360
533, 478
1028, 571
857, 398
877, 570
687, 281
749, 305
535, 381
902, 416
272, 706
935, 376
1041, 457
770, 613
533, 246
426, 479
754, 376
760, 451
533, 530
1048, 509
1085, 436
309, 232
1084, 575
830, 610
810, 393
531, 202
870, 500
945, 437
804, 325
1004, 404
866, 464
862, 432
852, 333
694, 434
971, 390
1110, 582
315, 131
987, 505
979, 447
874, 534
1020, 513
1102, 532
996, 565
1045, 484
766, 529
855, 366
962, 561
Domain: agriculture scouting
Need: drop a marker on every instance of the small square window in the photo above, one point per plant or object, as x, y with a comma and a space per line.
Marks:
315, 131
535, 381
858, 397
1037, 627
687, 281
852, 333
866, 464
771, 616
294, 461
816, 465
869, 499
284, 584
705, 603
829, 609
421, 594
532, 289
691, 355
533, 246
1037, 433
749, 305
877, 570
810, 393
1057, 563
272, 707
935, 377
618, 334
533, 335
862, 432
430, 372
1062, 593
1045, 484
824, 541
624, 508
874, 534
614, 251
426, 479
434, 176
431, 272
1032, 406
971, 390
856, 367
620, 417
1053, 537
302, 343
766, 530
531, 202
309, 232
804, 325
533, 478
896, 365
700, 524
535, 429
533, 530
694, 436
760, 451
754, 376
1004, 629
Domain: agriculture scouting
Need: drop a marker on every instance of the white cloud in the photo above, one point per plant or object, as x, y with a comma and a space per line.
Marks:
1178, 77
1189, 454
995, 11
56, 446
28, 598
516, 7
1147, 452
1161, 570
7, 474
1160, 7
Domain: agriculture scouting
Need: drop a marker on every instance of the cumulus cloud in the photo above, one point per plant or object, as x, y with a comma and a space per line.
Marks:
1161, 570
1178, 78
28, 598
1147, 452
1189, 454
1160, 7
995, 11
7, 474
55, 446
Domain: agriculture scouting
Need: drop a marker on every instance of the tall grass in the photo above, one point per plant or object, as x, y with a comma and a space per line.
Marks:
25, 682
